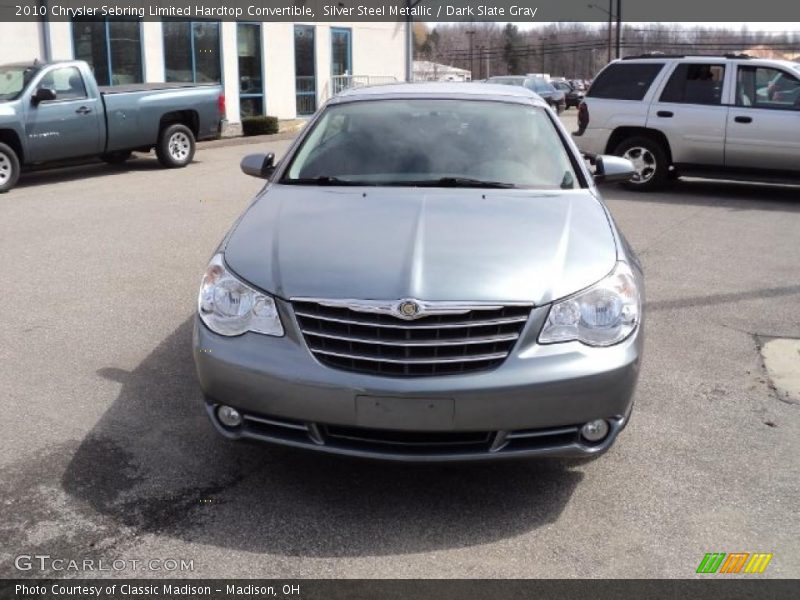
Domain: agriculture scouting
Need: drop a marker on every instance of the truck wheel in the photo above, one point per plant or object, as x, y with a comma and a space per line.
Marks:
649, 162
175, 148
9, 168
116, 158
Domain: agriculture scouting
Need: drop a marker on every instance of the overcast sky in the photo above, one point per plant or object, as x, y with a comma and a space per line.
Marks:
756, 26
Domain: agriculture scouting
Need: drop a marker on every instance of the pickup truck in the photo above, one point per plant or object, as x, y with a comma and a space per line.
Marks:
51, 113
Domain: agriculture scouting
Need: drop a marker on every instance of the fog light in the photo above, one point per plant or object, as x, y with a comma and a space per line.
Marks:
229, 416
595, 431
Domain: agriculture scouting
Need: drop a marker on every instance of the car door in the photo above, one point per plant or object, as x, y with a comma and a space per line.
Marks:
690, 112
66, 127
764, 123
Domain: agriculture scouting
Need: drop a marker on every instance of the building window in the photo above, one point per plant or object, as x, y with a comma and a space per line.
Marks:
251, 83
113, 50
191, 51
305, 69
341, 52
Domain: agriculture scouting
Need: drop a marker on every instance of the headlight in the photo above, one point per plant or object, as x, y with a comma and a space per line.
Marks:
602, 315
229, 307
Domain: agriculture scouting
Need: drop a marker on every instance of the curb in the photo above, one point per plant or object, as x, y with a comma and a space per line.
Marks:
248, 141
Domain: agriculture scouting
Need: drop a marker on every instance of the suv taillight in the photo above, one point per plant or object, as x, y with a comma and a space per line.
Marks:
221, 105
583, 117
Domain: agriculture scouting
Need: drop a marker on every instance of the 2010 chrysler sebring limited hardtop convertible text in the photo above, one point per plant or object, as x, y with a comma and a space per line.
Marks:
429, 274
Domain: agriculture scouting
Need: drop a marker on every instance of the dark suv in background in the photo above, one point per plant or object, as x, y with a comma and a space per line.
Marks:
556, 99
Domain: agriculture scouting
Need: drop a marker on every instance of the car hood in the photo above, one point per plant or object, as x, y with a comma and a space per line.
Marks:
431, 244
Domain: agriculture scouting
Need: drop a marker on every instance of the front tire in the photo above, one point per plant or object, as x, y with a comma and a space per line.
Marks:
649, 160
9, 168
176, 146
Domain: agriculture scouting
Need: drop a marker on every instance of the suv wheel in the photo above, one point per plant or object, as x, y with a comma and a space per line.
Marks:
649, 162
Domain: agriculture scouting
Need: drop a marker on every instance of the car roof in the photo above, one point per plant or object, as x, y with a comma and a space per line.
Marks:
441, 90
692, 58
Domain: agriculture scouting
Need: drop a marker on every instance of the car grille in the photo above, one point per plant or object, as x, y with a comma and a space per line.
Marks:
381, 344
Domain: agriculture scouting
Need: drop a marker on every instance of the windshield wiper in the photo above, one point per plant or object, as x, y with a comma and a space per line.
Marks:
323, 180
464, 182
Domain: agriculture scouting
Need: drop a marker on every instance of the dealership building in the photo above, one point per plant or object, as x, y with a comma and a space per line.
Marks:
280, 69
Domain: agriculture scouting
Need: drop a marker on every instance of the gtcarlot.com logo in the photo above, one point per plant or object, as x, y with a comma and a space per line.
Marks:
736, 562
45, 562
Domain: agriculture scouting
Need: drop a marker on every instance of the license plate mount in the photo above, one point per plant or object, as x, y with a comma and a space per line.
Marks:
411, 414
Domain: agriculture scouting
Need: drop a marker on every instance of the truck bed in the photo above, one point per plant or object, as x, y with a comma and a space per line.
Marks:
150, 87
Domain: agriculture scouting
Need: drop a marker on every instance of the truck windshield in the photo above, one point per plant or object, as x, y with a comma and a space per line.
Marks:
13, 79
435, 143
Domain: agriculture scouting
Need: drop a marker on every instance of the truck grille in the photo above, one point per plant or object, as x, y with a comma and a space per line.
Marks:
382, 344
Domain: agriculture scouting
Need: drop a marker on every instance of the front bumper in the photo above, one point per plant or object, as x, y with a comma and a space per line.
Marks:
532, 404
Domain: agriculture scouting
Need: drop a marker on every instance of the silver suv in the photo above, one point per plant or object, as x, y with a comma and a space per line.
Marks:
726, 117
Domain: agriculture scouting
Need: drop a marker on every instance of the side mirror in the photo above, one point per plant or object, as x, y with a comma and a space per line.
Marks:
259, 165
612, 169
43, 94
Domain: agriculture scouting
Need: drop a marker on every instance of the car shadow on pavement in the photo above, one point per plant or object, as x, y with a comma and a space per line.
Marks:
733, 195
153, 464
85, 170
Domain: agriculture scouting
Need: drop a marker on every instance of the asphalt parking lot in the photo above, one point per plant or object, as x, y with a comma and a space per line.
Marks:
106, 452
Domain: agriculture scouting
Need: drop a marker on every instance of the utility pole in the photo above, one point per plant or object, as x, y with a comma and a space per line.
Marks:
471, 33
610, 16
541, 47
410, 5
619, 28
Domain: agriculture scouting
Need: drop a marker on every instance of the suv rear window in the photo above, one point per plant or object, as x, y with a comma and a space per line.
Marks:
623, 81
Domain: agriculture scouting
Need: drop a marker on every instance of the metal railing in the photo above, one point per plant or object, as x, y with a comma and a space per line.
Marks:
306, 88
339, 83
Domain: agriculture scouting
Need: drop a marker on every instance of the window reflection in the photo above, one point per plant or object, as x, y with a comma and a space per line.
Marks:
305, 70
191, 52
251, 86
340, 52
113, 50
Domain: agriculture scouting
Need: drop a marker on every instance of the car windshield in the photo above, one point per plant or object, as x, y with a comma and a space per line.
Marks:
436, 143
13, 79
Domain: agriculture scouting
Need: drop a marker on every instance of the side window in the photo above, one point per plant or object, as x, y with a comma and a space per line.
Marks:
763, 87
695, 84
622, 81
66, 82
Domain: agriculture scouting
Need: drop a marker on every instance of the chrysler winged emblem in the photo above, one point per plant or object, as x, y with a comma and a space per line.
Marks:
408, 309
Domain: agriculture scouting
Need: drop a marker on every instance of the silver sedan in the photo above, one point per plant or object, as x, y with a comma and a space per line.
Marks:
428, 274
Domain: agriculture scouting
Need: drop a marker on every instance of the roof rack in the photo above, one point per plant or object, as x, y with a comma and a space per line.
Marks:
663, 55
